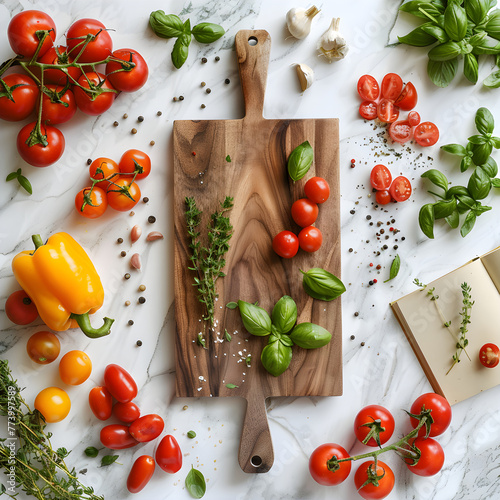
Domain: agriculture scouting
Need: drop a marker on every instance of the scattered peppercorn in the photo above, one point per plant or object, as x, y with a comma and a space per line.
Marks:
352, 337
203, 84
119, 240
127, 303
125, 115
130, 322
142, 288
185, 407
353, 212
152, 143
378, 266
181, 98
217, 58
395, 247
208, 91
393, 220
89, 162
403, 238
227, 81
353, 165
382, 231
145, 199
142, 300
379, 224
202, 106
123, 253
127, 276
138, 343
140, 118
385, 247
204, 60
115, 124
368, 217
370, 283
151, 219
134, 131
386, 236
362, 344
158, 113
175, 99
356, 314
132, 213
350, 250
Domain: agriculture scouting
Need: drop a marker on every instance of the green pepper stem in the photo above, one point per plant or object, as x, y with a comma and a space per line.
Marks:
37, 240
93, 333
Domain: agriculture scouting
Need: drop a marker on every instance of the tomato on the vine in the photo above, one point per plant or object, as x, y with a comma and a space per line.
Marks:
125, 79
135, 160
318, 464
168, 455
408, 98
103, 94
146, 428
123, 194
386, 111
441, 413
368, 110
91, 202
431, 459
366, 471
368, 88
391, 87
426, 134
57, 108
100, 46
489, 355
20, 309
400, 131
310, 239
103, 168
400, 189
58, 56
24, 93
117, 437
304, 212
380, 177
100, 402
126, 412
53, 403
43, 347
39, 155
317, 190
141, 472
382, 197
75, 367
286, 244
374, 417
120, 383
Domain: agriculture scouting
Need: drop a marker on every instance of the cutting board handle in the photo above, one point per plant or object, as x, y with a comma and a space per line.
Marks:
256, 447
252, 50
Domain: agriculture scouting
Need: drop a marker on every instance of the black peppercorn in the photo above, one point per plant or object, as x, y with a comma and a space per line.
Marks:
227, 81
89, 162
115, 124
203, 60
139, 343
145, 199
368, 217
356, 314
350, 250
208, 91
130, 322
382, 231
352, 337
202, 106
353, 212
362, 344
123, 253
181, 98
158, 113
142, 300
151, 219
385, 247
140, 118
217, 58
119, 240
127, 276
395, 247
370, 283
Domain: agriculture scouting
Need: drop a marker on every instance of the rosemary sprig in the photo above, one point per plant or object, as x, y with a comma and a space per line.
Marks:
38, 469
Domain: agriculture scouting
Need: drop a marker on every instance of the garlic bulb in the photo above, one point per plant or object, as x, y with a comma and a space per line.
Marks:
306, 76
332, 44
299, 20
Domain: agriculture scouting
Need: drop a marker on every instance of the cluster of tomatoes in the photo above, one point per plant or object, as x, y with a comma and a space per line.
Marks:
64, 78
385, 101
374, 426
120, 190
134, 429
388, 189
304, 212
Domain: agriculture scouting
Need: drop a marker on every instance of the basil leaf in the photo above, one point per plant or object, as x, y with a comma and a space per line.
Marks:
418, 37
300, 161
488, 45
108, 460
310, 336
91, 451
495, 183
207, 32
476, 10
442, 73
255, 319
232, 305
396, 264
481, 153
437, 178
165, 25
453, 220
454, 149
276, 358
477, 39
232, 386
227, 335
468, 224
284, 315
465, 203
465, 163
195, 483
438, 33
479, 184
455, 21
477, 139
443, 209
426, 220
286, 340
480, 209
495, 141
471, 68
490, 167
415, 8
492, 81
485, 123
12, 176
492, 26
457, 190
25, 184
321, 284
445, 51
180, 51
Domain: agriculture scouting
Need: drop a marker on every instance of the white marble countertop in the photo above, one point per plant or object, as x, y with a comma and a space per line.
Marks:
382, 371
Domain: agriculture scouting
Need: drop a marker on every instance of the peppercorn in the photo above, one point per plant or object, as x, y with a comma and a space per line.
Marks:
123, 253
352, 337
119, 240
145, 199
140, 118
142, 300
142, 288
217, 58
130, 322
152, 143
227, 81
385, 247
368, 217
362, 344
353, 212
370, 283
125, 115
175, 99
89, 162
151, 219
138, 343
393, 220
356, 314
395, 247
134, 131
382, 231
203, 84
403, 238
158, 113
371, 264
204, 60
350, 250
208, 91
115, 124
181, 98
375, 280
127, 303
127, 276
202, 106
378, 266
132, 213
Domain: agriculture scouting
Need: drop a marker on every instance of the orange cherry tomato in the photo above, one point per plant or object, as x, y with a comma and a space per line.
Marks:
75, 367
123, 194
91, 203
53, 403
43, 347
135, 160
103, 168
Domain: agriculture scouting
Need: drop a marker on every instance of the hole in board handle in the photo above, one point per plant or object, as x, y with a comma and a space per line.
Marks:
256, 461
252, 41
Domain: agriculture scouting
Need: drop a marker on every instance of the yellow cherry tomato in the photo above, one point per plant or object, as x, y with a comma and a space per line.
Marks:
53, 403
75, 368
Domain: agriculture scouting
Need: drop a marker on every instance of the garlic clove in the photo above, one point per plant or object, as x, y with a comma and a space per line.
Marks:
332, 44
306, 76
299, 20
154, 235
135, 234
135, 261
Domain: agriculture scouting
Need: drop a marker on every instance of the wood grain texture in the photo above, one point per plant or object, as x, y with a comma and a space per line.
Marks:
257, 178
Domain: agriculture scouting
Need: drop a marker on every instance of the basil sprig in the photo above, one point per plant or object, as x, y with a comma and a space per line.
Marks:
300, 161
321, 284
195, 483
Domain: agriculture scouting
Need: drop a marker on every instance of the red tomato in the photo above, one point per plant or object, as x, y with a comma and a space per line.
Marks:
431, 459
310, 239
24, 96
380, 177
408, 98
39, 155
441, 413
140, 473
400, 189
368, 88
426, 134
382, 197
368, 110
43, 347
102, 94
318, 464
20, 309
146, 428
22, 32
413, 118
126, 412
168, 455
60, 108
489, 355
366, 471
124, 78
123, 194
286, 244
100, 46
116, 437
387, 112
134, 160
400, 131
100, 402
377, 418
304, 212
317, 189
391, 87
120, 383
91, 202
58, 56
103, 168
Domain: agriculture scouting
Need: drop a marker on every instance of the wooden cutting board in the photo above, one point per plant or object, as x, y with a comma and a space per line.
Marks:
263, 193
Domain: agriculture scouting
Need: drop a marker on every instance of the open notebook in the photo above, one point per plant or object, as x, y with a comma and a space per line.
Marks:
431, 340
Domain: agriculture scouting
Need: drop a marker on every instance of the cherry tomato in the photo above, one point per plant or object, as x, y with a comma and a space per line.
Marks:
121, 76
400, 131
100, 402
22, 32
120, 383
382, 197
39, 155
380, 177
140, 473
168, 455
387, 112
317, 190
318, 464
103, 168
146, 428
98, 49
91, 203
431, 459
53, 403
43, 347
286, 244
20, 309
24, 96
58, 109
117, 437
400, 189
75, 367
441, 413
304, 212
123, 194
413, 118
374, 417
391, 87
368, 110
385, 483
426, 134
58, 56
368, 88
489, 355
103, 94
408, 98
133, 160
126, 412
310, 239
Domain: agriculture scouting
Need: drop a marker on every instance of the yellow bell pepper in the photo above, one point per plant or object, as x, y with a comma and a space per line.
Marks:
62, 282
